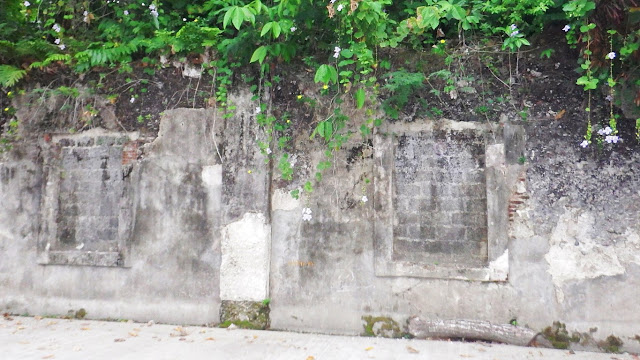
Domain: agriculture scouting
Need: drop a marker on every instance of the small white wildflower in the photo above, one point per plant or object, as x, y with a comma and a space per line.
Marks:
61, 46
85, 13
513, 26
609, 98
365, 198
152, 7
142, 4
584, 143
268, 151
332, 1
154, 13
258, 110
566, 28
612, 139
293, 29
184, 19
126, 12
132, 100
336, 52
26, 3
56, 27
340, 7
306, 214
514, 33
611, 55
57, 41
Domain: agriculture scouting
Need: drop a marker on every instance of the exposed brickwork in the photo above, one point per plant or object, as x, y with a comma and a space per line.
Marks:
519, 197
440, 198
130, 152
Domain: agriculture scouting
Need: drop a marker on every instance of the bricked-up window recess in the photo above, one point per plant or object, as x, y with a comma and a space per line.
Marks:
83, 202
439, 202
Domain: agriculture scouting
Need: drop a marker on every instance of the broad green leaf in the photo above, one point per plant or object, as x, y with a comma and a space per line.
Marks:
266, 28
360, 97
238, 18
259, 54
276, 30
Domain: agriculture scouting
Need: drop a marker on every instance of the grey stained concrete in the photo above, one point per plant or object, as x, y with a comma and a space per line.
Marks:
45, 338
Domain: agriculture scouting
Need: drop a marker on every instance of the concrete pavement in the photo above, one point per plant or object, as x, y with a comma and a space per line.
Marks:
46, 338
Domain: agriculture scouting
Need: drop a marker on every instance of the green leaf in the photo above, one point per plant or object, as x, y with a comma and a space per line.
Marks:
360, 96
326, 74
259, 54
238, 18
266, 28
276, 30
10, 75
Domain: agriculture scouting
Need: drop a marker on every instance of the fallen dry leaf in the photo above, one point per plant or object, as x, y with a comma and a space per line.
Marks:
132, 333
210, 338
48, 356
119, 340
310, 357
412, 350
136, 329
560, 114
255, 336
369, 348
85, 328
37, 317
203, 331
51, 323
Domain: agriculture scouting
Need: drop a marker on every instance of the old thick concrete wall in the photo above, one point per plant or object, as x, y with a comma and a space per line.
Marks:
203, 220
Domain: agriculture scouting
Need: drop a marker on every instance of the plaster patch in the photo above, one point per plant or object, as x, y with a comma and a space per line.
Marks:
212, 176
630, 252
499, 268
575, 255
244, 268
282, 200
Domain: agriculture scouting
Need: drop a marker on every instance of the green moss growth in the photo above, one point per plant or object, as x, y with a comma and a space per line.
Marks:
242, 324
386, 327
80, 314
558, 336
612, 344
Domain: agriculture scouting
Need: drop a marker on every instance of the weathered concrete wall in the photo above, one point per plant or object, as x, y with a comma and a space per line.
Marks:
170, 250
204, 221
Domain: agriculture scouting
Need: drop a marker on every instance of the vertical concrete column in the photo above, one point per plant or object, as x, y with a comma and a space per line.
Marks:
246, 232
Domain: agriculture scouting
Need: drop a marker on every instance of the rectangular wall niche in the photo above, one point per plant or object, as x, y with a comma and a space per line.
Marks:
440, 197
433, 217
85, 212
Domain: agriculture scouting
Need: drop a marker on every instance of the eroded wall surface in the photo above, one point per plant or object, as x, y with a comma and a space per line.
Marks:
437, 218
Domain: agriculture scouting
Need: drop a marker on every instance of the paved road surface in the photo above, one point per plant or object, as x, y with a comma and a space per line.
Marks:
38, 338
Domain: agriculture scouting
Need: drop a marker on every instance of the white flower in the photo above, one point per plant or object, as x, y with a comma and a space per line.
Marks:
57, 41
126, 12
258, 110
364, 198
56, 27
152, 7
584, 143
26, 3
184, 19
608, 98
61, 46
612, 139
142, 4
332, 1
336, 52
340, 7
514, 33
154, 13
85, 13
268, 151
293, 29
611, 55
566, 28
513, 26
306, 214
132, 100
